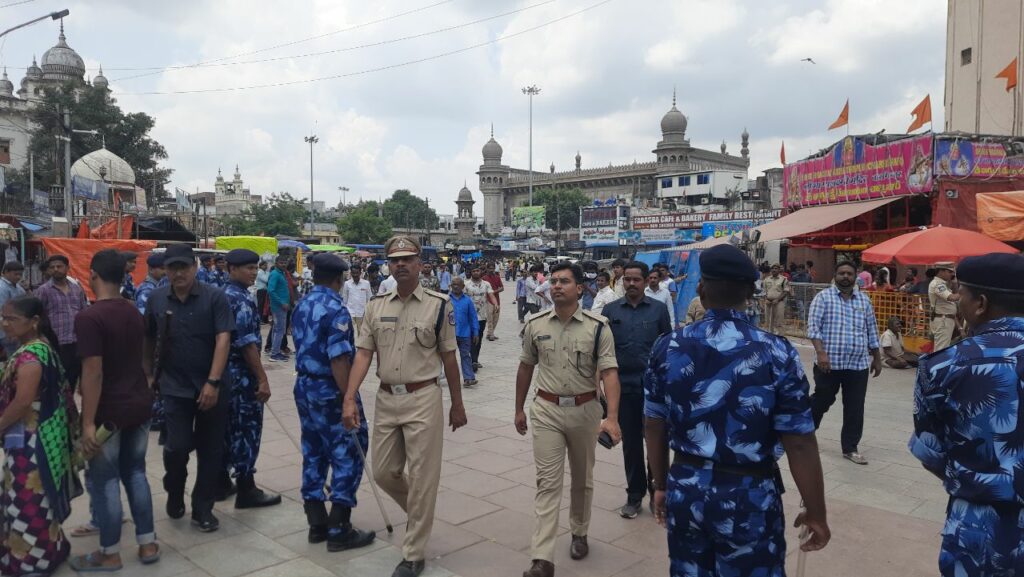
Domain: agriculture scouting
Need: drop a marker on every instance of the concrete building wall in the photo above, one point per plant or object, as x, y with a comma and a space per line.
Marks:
982, 38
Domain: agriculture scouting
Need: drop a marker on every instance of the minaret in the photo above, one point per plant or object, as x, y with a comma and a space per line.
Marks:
493, 177
465, 221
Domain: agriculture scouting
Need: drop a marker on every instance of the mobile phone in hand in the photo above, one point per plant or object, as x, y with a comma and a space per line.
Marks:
605, 440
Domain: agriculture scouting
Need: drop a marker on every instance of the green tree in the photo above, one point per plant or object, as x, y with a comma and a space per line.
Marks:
405, 210
362, 225
279, 215
127, 135
561, 205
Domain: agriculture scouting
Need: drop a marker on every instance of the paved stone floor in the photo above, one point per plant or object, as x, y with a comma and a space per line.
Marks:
885, 517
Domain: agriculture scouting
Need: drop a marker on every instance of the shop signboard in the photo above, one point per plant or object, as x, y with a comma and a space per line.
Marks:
854, 170
965, 159
685, 220
726, 228
603, 223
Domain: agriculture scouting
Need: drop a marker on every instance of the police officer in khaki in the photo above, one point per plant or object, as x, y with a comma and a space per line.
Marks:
943, 302
569, 347
776, 291
408, 328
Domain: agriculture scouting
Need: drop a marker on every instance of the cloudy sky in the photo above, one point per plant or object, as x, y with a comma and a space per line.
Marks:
402, 93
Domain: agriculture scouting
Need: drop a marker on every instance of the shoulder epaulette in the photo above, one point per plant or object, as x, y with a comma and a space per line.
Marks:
538, 315
434, 293
594, 316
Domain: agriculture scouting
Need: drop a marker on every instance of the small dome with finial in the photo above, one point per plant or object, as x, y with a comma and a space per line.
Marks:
100, 81
6, 86
33, 71
62, 62
465, 194
674, 121
492, 150
723, 147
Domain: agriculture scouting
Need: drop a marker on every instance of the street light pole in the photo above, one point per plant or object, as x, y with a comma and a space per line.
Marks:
51, 15
311, 140
531, 91
343, 190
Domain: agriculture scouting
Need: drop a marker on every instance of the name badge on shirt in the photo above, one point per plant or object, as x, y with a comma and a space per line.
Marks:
389, 319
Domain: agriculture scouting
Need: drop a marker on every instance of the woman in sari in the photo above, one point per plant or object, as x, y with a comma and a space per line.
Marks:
37, 415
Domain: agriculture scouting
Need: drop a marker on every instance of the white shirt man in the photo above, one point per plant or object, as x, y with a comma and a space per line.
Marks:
543, 293
664, 296
387, 284
532, 298
478, 289
356, 294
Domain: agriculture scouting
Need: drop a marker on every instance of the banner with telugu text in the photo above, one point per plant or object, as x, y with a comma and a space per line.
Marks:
855, 170
979, 160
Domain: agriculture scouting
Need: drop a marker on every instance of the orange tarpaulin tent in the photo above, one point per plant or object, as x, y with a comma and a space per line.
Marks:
79, 252
1001, 214
115, 228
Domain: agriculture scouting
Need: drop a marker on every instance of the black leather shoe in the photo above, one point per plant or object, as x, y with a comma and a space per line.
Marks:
175, 506
225, 488
250, 496
409, 569
579, 548
349, 538
205, 522
316, 516
540, 568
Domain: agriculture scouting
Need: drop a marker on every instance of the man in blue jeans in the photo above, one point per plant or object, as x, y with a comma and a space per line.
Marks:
467, 328
116, 397
280, 304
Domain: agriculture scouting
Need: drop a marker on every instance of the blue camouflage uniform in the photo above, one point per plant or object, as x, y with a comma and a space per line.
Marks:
322, 331
212, 277
969, 431
142, 293
245, 415
128, 287
726, 391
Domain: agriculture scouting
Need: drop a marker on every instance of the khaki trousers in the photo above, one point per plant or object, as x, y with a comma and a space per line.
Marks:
407, 430
774, 315
557, 430
942, 332
492, 318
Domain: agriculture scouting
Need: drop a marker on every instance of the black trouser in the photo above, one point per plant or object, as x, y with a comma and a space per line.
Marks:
190, 429
631, 422
479, 341
521, 308
855, 387
261, 304
72, 364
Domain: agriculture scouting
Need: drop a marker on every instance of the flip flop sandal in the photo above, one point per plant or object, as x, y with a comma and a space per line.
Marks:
150, 559
91, 563
85, 530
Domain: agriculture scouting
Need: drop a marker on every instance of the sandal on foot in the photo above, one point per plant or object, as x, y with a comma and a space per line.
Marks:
92, 563
149, 559
85, 530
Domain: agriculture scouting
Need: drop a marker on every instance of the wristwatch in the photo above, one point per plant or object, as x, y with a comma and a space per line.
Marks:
216, 383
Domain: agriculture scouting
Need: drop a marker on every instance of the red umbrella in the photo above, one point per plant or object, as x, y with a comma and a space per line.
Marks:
363, 254
939, 244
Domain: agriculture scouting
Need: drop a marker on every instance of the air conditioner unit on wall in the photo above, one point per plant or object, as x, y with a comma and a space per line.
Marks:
705, 200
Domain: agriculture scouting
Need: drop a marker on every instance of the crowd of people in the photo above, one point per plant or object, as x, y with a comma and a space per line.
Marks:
703, 405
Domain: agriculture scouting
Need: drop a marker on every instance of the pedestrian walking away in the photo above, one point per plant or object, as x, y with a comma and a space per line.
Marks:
322, 331
968, 425
842, 327
194, 381
943, 302
249, 389
116, 398
636, 321
409, 329
720, 497
570, 349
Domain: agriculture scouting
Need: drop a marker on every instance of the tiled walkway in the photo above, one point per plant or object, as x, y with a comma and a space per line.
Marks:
885, 516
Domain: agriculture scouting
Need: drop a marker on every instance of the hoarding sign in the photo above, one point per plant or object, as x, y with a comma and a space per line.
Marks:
674, 220
531, 217
854, 170
718, 229
961, 158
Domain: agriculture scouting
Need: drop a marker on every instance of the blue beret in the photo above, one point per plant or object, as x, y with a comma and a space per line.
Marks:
155, 260
242, 257
329, 263
997, 271
726, 262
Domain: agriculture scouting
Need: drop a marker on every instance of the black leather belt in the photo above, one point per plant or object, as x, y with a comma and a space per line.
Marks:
313, 375
762, 471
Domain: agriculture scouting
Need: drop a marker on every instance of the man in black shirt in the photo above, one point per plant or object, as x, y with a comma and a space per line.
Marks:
636, 321
194, 349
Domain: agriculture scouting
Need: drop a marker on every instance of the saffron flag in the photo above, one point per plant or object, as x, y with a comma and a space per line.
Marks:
844, 117
782, 153
922, 114
1010, 74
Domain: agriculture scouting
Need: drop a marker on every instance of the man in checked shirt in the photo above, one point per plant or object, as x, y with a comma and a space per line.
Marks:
841, 325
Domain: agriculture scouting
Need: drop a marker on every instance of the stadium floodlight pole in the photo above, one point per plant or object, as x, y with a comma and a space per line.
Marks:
531, 91
311, 140
51, 15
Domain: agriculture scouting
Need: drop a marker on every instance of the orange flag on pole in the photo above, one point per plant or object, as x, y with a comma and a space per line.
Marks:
922, 114
1010, 74
782, 153
844, 117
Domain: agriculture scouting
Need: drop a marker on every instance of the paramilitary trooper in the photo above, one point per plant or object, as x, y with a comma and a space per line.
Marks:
324, 347
969, 422
156, 277
249, 390
726, 397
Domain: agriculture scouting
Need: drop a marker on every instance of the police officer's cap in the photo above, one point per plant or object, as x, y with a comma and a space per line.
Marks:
242, 257
1000, 272
401, 245
726, 262
329, 264
155, 260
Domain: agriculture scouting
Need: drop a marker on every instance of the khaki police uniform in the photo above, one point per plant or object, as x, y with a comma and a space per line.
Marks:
408, 425
564, 356
775, 289
943, 312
